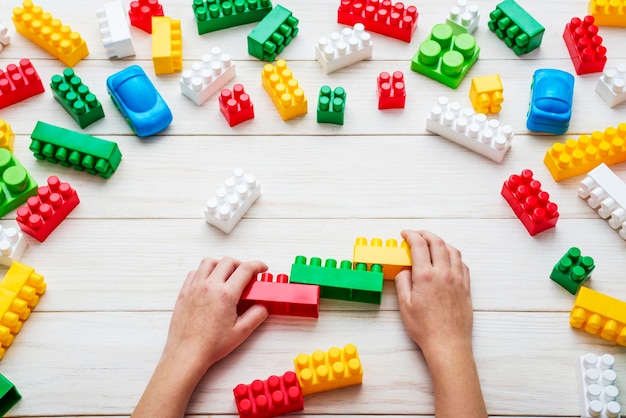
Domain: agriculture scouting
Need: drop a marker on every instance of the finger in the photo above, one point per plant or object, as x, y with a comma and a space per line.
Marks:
245, 272
250, 320
207, 265
224, 268
439, 255
420, 254
456, 262
404, 286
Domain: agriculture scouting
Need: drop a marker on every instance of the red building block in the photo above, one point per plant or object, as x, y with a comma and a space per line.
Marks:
380, 16
269, 398
44, 212
391, 90
236, 105
281, 297
531, 205
19, 83
141, 12
585, 45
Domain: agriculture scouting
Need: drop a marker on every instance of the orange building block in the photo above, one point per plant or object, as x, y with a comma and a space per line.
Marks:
579, 156
167, 45
608, 12
7, 137
599, 314
391, 256
486, 94
283, 89
322, 371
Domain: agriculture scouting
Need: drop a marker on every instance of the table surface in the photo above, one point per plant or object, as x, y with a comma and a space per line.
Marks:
115, 266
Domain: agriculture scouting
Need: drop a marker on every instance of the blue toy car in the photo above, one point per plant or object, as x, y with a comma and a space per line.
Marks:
550, 107
139, 102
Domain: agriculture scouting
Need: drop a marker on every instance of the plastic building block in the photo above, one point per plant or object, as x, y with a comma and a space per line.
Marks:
513, 25
572, 270
141, 12
16, 184
9, 395
391, 90
75, 97
470, 129
612, 85
236, 105
584, 45
391, 256
463, 17
599, 314
278, 395
74, 149
334, 369
167, 45
281, 297
283, 89
606, 193
114, 30
608, 12
343, 49
207, 77
12, 245
232, 200
599, 392
486, 94
44, 212
531, 204
7, 137
272, 34
343, 283
212, 15
49, 33
551, 97
383, 17
579, 156
18, 83
446, 57
5, 38
19, 294
331, 105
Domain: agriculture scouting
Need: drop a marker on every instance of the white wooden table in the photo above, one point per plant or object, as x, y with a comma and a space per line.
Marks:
115, 266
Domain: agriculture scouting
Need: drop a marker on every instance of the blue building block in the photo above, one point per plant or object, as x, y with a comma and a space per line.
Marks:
550, 108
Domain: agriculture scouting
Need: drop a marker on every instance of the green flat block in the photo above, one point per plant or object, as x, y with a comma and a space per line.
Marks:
331, 105
343, 283
572, 270
80, 151
9, 395
519, 30
76, 99
212, 15
446, 57
272, 34
16, 184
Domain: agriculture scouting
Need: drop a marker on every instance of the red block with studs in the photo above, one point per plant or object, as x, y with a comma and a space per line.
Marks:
585, 46
380, 16
391, 90
141, 12
236, 105
19, 82
278, 395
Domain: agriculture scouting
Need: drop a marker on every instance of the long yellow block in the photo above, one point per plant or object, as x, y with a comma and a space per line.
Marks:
391, 256
608, 12
7, 137
599, 314
322, 371
283, 89
167, 45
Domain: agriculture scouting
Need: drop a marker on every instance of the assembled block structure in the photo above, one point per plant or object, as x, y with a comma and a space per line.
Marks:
333, 369
276, 396
9, 395
584, 45
390, 256
236, 105
12, 245
74, 96
608, 12
331, 105
5, 38
114, 30
486, 94
167, 45
599, 314
340, 50
391, 90
280, 84
382, 17
19, 82
16, 184
272, 34
518, 29
207, 77
463, 17
7, 137
212, 15
141, 13
572, 270
599, 391
612, 85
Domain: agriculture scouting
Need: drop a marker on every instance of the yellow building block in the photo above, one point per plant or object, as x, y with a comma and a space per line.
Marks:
486, 94
599, 314
283, 89
167, 45
7, 137
322, 371
49, 33
579, 156
391, 256
608, 12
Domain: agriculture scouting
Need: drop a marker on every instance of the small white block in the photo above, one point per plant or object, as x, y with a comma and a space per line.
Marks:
115, 31
612, 85
470, 129
599, 397
207, 77
463, 17
232, 200
12, 245
343, 49
5, 39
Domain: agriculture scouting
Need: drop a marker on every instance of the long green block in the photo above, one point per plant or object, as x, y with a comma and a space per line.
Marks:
9, 395
343, 283
519, 30
75, 97
212, 15
80, 151
572, 270
331, 105
16, 184
272, 34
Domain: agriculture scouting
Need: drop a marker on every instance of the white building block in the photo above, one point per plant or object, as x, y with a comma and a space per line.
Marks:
599, 394
463, 18
207, 77
612, 85
12, 245
606, 193
470, 129
232, 200
343, 49
5, 39
115, 30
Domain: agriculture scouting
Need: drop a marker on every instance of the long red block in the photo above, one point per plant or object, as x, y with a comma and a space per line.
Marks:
141, 12
391, 90
19, 83
236, 105
585, 45
44, 212
380, 16
269, 398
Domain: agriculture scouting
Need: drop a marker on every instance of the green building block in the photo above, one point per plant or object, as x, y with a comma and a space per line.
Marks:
572, 270
76, 99
80, 151
331, 105
519, 30
446, 57
212, 15
8, 395
343, 283
272, 34
16, 184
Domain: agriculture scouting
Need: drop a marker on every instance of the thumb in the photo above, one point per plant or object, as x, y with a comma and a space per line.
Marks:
404, 284
250, 320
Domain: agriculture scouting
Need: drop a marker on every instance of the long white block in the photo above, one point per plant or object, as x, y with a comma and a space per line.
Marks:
612, 85
12, 245
599, 397
207, 77
343, 49
463, 17
115, 31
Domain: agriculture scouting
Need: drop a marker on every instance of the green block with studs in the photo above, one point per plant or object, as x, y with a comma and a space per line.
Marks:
331, 105
212, 15
75, 97
9, 395
272, 34
572, 270
16, 184
517, 29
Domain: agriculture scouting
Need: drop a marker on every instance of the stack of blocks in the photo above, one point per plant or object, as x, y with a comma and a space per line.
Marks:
212, 15
283, 89
343, 49
12, 245
608, 12
5, 39
167, 45
572, 270
391, 257
519, 30
599, 390
383, 17
599, 314
486, 94
391, 90
584, 46
19, 83
331, 105
612, 85
236, 105
272, 34
16, 184
115, 31
141, 13
75, 97
207, 77
463, 18
7, 137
